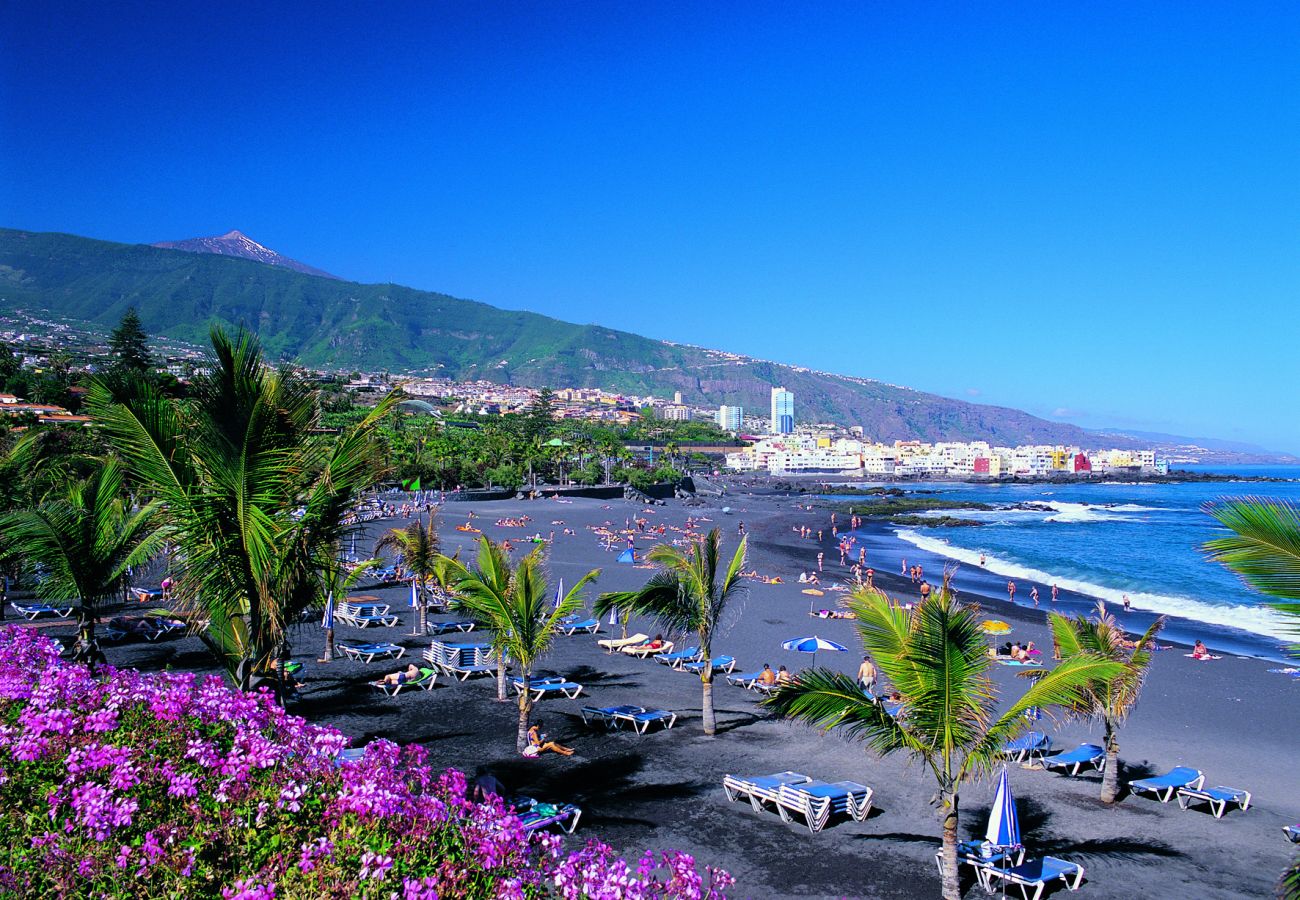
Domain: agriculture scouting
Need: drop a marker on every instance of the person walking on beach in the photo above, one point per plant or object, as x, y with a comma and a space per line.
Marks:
982, 558
1033, 594
1056, 592
819, 560
904, 571
867, 675
1128, 606
925, 591
1011, 591
740, 529
862, 556
871, 577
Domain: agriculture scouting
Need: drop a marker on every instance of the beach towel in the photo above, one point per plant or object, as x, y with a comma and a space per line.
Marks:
1202, 658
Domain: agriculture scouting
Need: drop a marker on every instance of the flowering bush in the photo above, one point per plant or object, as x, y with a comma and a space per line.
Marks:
172, 785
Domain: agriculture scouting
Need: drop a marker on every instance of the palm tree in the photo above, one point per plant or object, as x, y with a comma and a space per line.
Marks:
1108, 701
519, 607
419, 546
336, 581
254, 499
686, 596
1264, 549
86, 542
936, 658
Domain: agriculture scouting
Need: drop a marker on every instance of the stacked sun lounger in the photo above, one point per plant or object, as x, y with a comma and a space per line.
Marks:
365, 615
1032, 877
550, 686
1073, 761
33, 610
424, 681
638, 718
461, 660
1030, 745
370, 652
792, 793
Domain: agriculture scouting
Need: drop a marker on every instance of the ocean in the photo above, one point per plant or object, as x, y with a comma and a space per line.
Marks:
1105, 540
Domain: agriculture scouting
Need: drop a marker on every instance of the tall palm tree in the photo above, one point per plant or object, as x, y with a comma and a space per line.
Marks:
1108, 701
1264, 549
936, 658
419, 547
493, 575
524, 617
687, 596
86, 542
255, 500
336, 581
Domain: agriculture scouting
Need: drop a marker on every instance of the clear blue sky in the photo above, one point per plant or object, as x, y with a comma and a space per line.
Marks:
1088, 211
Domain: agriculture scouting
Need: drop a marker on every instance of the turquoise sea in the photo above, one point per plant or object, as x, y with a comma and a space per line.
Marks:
1105, 540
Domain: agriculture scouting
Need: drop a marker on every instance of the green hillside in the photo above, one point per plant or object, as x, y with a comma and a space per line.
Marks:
330, 323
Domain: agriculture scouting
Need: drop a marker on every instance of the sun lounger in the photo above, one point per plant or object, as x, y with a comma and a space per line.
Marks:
448, 627
760, 789
349, 755
1036, 874
365, 616
720, 664
32, 610
613, 645
535, 815
1029, 745
1020, 664
590, 626
638, 718
460, 661
144, 595
1073, 761
690, 654
1292, 833
816, 801
973, 853
641, 651
1217, 798
548, 687
368, 652
1164, 786
744, 679
425, 681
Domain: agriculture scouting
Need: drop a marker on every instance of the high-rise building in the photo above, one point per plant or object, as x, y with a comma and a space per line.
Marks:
676, 412
677, 397
782, 411
730, 417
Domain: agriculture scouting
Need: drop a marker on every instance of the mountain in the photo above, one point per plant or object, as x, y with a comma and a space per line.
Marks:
236, 243
337, 324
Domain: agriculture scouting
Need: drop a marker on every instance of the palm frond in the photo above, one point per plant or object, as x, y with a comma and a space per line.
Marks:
1264, 547
826, 699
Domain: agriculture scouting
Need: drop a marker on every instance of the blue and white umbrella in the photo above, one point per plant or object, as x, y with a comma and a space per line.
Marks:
559, 593
1003, 830
328, 622
812, 645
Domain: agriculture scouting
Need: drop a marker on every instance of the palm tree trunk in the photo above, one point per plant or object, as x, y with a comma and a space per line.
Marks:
423, 611
1110, 774
329, 646
951, 881
501, 678
710, 718
525, 710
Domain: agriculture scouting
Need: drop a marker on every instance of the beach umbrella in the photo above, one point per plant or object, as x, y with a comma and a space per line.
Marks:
812, 645
1003, 831
328, 622
995, 626
559, 593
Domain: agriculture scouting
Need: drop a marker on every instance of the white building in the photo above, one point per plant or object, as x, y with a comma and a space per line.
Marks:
782, 411
730, 418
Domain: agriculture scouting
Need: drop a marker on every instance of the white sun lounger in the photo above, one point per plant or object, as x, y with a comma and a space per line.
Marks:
613, 645
1217, 798
642, 651
759, 789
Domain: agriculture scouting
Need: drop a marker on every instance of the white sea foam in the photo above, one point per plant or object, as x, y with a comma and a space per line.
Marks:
1255, 619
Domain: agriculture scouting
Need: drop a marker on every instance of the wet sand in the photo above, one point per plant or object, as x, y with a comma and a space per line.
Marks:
1229, 718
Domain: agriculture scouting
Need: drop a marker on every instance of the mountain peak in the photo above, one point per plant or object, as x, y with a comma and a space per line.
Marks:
236, 243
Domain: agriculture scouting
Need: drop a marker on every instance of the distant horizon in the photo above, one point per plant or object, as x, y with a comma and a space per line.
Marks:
1083, 213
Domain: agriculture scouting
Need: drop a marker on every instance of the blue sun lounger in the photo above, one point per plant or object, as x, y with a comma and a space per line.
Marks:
637, 717
1164, 786
972, 853
1036, 874
760, 789
1292, 833
1027, 746
588, 626
548, 687
1217, 798
368, 652
681, 656
535, 815
448, 627
1072, 761
743, 679
720, 664
32, 610
817, 801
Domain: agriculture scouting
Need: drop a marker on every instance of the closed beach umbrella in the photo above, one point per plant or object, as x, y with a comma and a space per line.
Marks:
328, 622
559, 593
1003, 830
812, 645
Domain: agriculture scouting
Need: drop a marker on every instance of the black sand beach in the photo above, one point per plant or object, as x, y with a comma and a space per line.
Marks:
1229, 718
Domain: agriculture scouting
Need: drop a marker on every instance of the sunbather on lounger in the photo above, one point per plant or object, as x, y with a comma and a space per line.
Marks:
767, 677
656, 643
402, 676
538, 743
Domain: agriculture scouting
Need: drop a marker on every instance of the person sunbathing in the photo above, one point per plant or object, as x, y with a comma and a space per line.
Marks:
656, 643
783, 677
1199, 651
767, 676
402, 676
538, 743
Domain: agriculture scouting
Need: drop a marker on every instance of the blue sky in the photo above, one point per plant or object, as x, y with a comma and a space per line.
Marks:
1091, 212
